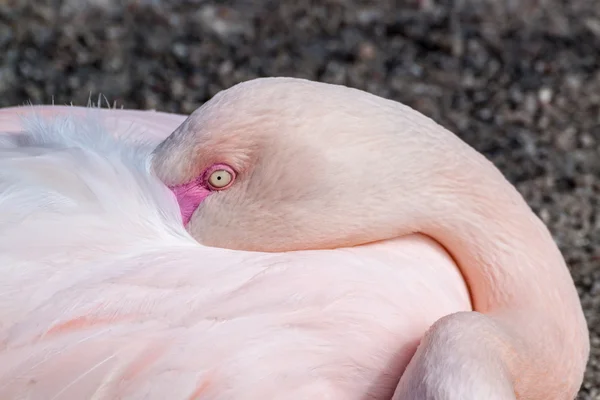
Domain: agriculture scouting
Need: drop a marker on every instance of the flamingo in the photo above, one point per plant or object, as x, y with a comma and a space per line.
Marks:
289, 239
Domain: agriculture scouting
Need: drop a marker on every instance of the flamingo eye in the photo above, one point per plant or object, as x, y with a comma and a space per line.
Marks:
220, 178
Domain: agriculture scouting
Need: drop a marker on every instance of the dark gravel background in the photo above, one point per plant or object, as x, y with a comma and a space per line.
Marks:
518, 80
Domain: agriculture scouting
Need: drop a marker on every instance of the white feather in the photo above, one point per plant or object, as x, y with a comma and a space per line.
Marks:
70, 166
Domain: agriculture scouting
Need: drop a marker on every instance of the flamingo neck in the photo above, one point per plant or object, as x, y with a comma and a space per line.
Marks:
504, 250
515, 272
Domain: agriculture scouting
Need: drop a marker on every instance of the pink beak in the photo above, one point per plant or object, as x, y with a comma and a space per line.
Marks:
189, 196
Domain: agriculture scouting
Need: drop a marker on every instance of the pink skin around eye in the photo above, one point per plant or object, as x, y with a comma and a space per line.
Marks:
190, 195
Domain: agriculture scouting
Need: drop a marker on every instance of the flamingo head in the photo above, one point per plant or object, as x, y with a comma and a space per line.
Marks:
278, 164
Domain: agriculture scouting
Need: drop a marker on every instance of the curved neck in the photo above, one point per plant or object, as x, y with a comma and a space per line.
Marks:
514, 270
506, 253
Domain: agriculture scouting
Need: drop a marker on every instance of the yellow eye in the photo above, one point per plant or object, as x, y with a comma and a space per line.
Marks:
220, 178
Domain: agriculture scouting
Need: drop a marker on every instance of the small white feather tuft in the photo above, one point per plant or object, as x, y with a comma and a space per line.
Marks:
69, 165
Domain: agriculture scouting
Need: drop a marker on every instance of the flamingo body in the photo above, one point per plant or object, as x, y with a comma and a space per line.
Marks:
105, 295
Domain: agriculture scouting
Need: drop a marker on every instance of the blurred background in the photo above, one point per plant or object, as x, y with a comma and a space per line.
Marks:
519, 80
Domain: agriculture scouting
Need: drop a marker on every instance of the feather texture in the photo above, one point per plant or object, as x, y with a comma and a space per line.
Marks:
104, 294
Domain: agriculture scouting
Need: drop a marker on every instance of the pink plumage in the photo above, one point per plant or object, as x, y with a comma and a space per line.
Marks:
105, 295
356, 250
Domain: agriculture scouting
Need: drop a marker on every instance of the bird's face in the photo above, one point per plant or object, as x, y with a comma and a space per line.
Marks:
286, 164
